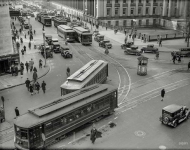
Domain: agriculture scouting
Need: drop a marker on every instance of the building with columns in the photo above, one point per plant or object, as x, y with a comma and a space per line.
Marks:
123, 12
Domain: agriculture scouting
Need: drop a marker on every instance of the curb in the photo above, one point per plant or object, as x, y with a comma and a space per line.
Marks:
24, 83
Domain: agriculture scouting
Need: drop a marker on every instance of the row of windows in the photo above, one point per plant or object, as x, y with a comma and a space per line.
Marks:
102, 74
132, 22
73, 116
132, 1
132, 11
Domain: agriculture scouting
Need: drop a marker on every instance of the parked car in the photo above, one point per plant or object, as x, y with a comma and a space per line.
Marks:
127, 45
65, 52
149, 48
133, 50
56, 47
105, 43
174, 114
95, 33
184, 52
99, 38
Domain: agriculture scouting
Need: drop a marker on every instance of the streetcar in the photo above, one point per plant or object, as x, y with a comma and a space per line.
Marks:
95, 71
66, 32
52, 121
59, 21
82, 35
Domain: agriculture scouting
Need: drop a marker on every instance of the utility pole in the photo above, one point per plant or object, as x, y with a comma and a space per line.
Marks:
188, 22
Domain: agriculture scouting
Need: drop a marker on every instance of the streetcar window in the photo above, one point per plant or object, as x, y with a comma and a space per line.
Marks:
78, 114
64, 120
56, 123
48, 127
71, 118
23, 134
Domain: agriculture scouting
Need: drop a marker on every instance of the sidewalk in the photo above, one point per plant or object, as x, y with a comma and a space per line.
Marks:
168, 46
9, 81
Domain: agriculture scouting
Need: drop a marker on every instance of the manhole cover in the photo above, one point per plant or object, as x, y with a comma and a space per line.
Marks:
162, 147
140, 133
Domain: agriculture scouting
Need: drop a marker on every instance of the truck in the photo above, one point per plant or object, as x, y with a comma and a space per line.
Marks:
45, 20
39, 15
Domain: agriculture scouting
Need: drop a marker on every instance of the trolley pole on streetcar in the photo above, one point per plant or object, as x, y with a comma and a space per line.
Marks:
44, 47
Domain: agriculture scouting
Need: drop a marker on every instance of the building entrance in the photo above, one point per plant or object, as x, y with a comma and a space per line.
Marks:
4, 67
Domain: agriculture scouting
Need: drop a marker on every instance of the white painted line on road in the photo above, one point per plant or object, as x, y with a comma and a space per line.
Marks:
119, 82
158, 88
89, 56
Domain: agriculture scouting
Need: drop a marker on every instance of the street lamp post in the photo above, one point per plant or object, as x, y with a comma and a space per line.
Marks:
44, 47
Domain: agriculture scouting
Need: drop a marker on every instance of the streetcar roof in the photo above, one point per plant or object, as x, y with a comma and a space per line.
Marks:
81, 77
81, 30
86, 70
62, 105
65, 27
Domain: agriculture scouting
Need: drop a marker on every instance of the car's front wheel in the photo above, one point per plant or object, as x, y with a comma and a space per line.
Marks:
165, 120
175, 124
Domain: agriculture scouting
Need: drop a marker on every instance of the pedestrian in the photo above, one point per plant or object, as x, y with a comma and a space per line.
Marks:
28, 32
29, 45
179, 59
27, 82
174, 58
162, 94
12, 69
16, 70
3, 100
188, 65
27, 65
30, 38
21, 68
22, 51
17, 112
68, 71
24, 48
20, 30
106, 27
31, 89
158, 39
160, 42
37, 87
21, 40
25, 35
34, 32
43, 86
35, 76
35, 70
31, 65
93, 135
40, 63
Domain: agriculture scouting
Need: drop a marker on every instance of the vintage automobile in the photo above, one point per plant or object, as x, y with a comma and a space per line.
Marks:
149, 48
56, 47
48, 51
133, 50
174, 114
127, 45
185, 52
65, 52
96, 32
105, 43
99, 38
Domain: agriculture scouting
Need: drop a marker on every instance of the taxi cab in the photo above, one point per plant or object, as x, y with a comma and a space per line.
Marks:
133, 50
99, 38
174, 114
105, 43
